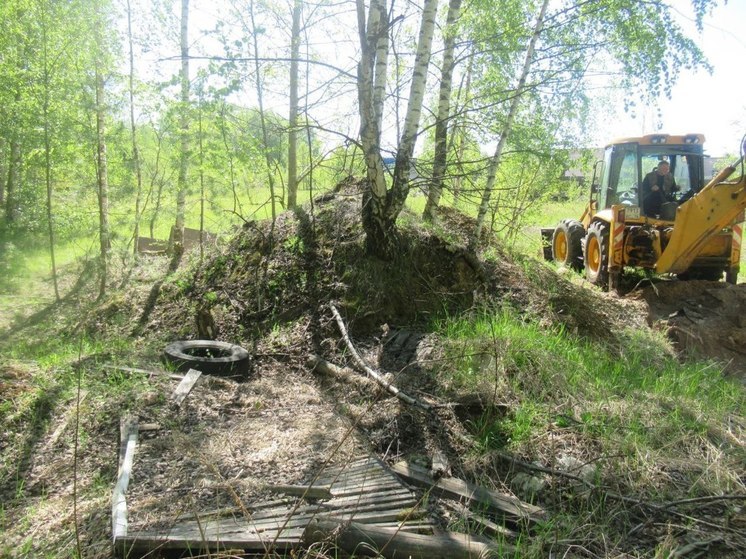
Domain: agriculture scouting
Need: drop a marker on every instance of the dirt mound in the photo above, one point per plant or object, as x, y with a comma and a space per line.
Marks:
702, 318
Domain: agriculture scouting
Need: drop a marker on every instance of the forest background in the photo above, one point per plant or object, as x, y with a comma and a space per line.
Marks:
123, 119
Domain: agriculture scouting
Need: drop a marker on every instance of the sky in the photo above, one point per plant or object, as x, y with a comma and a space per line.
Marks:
714, 105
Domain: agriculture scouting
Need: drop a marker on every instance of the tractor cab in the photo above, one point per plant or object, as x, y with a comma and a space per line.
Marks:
627, 162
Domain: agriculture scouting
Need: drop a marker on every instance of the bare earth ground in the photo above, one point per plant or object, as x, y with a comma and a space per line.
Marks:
231, 439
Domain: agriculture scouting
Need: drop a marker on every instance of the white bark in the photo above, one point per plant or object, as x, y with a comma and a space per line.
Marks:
184, 155
400, 188
444, 111
293, 116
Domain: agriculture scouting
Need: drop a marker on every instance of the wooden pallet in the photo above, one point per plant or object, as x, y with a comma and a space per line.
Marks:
364, 491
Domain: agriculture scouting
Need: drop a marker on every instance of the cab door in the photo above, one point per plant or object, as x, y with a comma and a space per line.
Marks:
621, 177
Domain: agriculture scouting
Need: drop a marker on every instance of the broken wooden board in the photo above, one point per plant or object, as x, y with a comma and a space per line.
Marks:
128, 436
474, 495
185, 386
364, 491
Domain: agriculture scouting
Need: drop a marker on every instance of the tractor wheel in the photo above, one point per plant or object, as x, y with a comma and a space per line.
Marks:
597, 254
731, 276
567, 244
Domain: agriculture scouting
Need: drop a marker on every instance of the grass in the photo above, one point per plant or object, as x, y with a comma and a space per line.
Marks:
620, 403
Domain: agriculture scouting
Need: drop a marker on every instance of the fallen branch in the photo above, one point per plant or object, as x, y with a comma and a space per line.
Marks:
360, 363
316, 363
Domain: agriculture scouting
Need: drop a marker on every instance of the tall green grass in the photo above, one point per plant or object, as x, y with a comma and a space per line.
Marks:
636, 394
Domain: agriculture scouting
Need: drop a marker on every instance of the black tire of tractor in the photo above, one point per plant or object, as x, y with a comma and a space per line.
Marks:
707, 274
596, 254
731, 276
209, 356
567, 244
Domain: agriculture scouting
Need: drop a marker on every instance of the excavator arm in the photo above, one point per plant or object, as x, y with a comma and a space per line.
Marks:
707, 213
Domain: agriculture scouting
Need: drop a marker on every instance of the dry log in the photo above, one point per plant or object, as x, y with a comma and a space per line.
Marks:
360, 363
454, 488
374, 541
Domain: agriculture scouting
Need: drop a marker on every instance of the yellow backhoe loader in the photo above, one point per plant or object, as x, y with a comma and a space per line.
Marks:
690, 227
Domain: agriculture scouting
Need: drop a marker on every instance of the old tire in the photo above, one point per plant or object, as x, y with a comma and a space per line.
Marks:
567, 244
209, 356
596, 254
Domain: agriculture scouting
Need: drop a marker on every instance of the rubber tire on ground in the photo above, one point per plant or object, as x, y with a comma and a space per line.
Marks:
731, 277
596, 254
209, 356
567, 246
707, 274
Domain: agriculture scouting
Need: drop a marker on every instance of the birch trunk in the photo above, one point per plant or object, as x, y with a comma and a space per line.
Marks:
102, 178
184, 124
514, 104
458, 136
13, 182
262, 119
3, 168
46, 96
374, 199
382, 57
133, 130
444, 112
293, 117
400, 188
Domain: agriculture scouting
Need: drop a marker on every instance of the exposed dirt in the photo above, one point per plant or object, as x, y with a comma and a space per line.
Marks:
703, 319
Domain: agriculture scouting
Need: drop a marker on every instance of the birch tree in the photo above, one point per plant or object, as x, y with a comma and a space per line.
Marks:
184, 125
444, 111
381, 205
293, 116
133, 129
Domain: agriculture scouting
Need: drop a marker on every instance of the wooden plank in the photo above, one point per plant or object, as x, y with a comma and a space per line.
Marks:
303, 491
128, 434
374, 499
145, 543
155, 372
185, 386
472, 494
393, 543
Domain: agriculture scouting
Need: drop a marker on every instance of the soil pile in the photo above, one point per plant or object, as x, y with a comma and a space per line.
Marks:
703, 319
